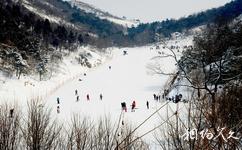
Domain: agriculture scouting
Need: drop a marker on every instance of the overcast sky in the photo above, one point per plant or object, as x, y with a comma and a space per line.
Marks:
154, 10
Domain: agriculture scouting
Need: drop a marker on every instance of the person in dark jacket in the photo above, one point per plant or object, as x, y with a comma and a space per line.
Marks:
58, 100
11, 113
58, 109
88, 97
147, 105
124, 107
154, 96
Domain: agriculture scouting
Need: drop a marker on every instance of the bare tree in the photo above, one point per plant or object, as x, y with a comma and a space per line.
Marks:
211, 73
80, 134
39, 130
9, 127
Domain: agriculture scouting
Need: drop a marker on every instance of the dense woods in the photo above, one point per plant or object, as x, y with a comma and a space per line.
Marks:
226, 13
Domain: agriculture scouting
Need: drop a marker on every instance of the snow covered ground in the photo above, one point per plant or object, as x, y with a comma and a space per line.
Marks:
14, 90
128, 80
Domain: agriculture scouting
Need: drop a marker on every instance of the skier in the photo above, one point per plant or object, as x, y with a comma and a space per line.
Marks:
85, 74
109, 67
76, 92
11, 113
176, 100
154, 96
58, 109
166, 92
101, 97
147, 104
133, 106
77, 98
123, 105
159, 98
172, 98
88, 98
58, 100
180, 96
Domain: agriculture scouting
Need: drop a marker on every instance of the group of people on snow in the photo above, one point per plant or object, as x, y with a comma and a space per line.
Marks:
87, 96
175, 99
157, 97
124, 106
77, 99
77, 96
58, 105
133, 106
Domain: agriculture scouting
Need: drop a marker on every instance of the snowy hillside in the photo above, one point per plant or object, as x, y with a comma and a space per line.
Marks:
29, 87
104, 15
43, 14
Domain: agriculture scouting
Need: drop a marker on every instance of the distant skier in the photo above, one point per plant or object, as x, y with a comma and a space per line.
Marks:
58, 109
101, 97
176, 100
147, 105
58, 100
172, 98
77, 98
88, 97
109, 67
125, 53
76, 92
124, 107
166, 92
159, 98
11, 113
85, 74
133, 106
154, 96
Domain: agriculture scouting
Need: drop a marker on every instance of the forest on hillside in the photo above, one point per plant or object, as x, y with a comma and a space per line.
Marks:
211, 70
30, 42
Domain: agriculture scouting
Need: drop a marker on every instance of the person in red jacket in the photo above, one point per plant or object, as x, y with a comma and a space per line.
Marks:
133, 106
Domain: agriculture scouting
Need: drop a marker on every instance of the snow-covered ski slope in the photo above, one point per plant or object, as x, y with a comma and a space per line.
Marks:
128, 80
